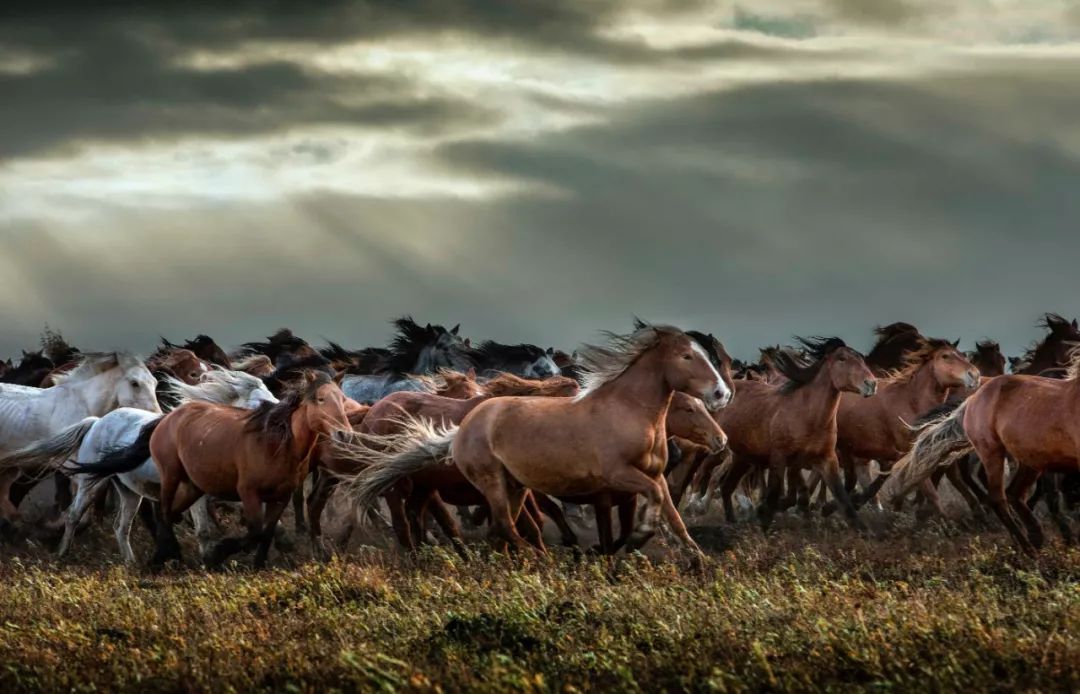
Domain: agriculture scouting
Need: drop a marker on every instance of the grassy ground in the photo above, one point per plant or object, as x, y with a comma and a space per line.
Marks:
804, 609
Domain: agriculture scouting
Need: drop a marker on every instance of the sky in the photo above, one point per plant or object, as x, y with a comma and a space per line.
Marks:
537, 170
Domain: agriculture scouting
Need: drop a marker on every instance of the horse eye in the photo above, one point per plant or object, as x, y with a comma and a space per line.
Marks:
134, 384
687, 356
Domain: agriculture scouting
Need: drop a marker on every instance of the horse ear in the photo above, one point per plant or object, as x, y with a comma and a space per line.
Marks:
468, 342
454, 330
957, 343
471, 373
427, 327
1074, 323
551, 351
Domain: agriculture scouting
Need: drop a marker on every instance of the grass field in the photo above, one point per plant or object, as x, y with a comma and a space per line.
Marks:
804, 609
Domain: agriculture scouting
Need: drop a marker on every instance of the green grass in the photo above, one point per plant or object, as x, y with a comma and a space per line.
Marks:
814, 610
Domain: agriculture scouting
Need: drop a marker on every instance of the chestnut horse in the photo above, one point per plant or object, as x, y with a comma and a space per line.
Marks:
793, 426
254, 456
1032, 420
388, 417
879, 428
610, 438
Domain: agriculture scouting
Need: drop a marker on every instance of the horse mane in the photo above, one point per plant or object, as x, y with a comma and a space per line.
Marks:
93, 363
893, 330
283, 338
801, 369
1072, 372
915, 359
505, 384
56, 348
273, 421
250, 362
409, 340
1057, 326
602, 364
493, 352
712, 347
220, 386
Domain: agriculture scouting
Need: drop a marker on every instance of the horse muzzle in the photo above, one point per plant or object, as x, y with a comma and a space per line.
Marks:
971, 379
868, 388
717, 444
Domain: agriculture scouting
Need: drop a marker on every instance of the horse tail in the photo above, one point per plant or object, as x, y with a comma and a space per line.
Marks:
49, 454
418, 445
940, 442
119, 459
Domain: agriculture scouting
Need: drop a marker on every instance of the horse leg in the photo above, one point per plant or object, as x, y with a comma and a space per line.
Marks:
791, 494
768, 506
76, 510
129, 507
200, 518
964, 467
299, 524
632, 480
1053, 504
602, 510
529, 522
931, 502
404, 518
148, 514
254, 524
62, 497
994, 466
830, 471
739, 467
1018, 491
8, 510
683, 474
446, 521
699, 484
956, 479
274, 509
676, 524
166, 545
553, 511
322, 487
627, 511
866, 482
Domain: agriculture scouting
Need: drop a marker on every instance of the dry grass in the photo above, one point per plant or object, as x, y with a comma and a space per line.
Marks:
807, 609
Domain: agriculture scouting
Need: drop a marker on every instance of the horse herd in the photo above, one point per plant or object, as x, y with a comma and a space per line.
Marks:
516, 435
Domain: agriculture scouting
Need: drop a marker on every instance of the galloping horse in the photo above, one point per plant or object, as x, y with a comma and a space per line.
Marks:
204, 348
387, 418
414, 350
281, 343
793, 426
78, 447
894, 342
256, 457
100, 383
878, 428
611, 437
1032, 420
987, 358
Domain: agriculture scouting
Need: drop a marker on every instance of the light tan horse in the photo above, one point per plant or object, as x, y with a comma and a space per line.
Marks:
611, 438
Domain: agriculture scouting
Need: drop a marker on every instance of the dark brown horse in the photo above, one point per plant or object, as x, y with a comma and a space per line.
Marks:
793, 426
204, 348
894, 342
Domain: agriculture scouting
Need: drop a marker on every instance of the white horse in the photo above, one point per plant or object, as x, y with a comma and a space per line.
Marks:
99, 384
78, 447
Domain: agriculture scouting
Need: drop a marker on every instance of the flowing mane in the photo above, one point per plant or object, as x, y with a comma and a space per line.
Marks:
491, 352
93, 363
1059, 328
220, 386
1073, 371
603, 364
506, 384
914, 360
801, 369
283, 339
273, 421
409, 341
56, 348
714, 349
893, 341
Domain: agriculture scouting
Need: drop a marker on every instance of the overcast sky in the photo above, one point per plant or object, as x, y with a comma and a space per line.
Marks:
538, 170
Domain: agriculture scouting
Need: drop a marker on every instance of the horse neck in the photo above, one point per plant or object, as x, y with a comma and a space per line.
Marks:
916, 395
1043, 358
425, 361
303, 436
97, 393
818, 400
642, 385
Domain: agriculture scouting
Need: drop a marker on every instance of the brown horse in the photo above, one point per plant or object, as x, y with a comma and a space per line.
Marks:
204, 347
610, 438
793, 426
387, 417
879, 428
179, 363
256, 457
1031, 420
688, 420
987, 358
894, 342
